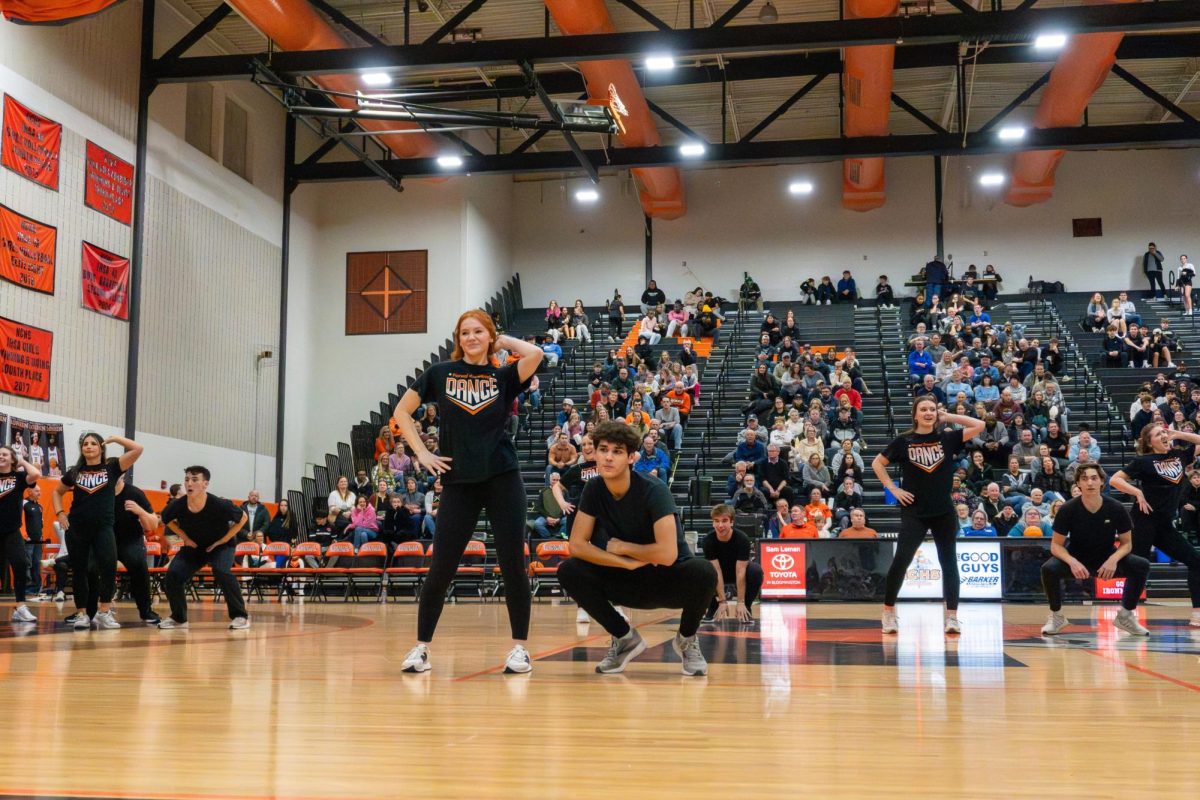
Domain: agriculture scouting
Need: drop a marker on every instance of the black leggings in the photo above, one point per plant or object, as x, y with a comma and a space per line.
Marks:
92, 551
1158, 530
688, 584
1154, 277
1134, 569
504, 497
132, 553
912, 532
14, 551
754, 582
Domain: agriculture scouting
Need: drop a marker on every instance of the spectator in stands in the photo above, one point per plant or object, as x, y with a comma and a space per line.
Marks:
919, 362
987, 392
1016, 482
799, 527
936, 277
990, 500
1187, 272
1152, 266
1037, 500
848, 391
579, 322
928, 386
1072, 468
979, 525
1136, 346
1031, 520
749, 500
379, 500
826, 291
1116, 317
772, 476
362, 483
364, 522
677, 319
816, 504
637, 419
322, 532
1162, 343
858, 527
1189, 505
652, 297
979, 321
398, 525
979, 472
920, 334
750, 449
670, 422
561, 456
1049, 479
1016, 390
815, 475
777, 520
433, 499
1084, 441
283, 527
258, 518
1097, 313
1144, 415
1006, 409
845, 427
847, 290
848, 498
1026, 450
554, 320
548, 523
653, 461
385, 442
340, 504
552, 350
735, 481
616, 314
884, 297
749, 294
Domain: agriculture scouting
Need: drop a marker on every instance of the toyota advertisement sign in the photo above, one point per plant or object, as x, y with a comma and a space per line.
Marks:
783, 568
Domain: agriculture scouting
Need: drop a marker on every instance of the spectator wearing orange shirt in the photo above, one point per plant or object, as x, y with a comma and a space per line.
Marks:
682, 399
816, 505
800, 527
858, 527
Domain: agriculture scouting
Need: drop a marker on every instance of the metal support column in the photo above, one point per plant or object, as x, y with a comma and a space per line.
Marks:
649, 231
289, 186
937, 207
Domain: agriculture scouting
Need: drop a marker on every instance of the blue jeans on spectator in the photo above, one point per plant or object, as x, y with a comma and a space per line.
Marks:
363, 535
675, 435
33, 550
544, 530
930, 290
428, 526
534, 398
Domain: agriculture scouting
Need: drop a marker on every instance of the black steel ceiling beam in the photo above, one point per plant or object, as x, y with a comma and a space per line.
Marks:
555, 115
530, 142
733, 11
324, 148
1150, 92
1026, 4
917, 114
1018, 100
783, 108
340, 18
1169, 134
202, 29
964, 6
673, 122
830, 34
452, 23
642, 12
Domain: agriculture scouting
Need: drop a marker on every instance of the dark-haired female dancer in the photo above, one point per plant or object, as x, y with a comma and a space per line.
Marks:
15, 474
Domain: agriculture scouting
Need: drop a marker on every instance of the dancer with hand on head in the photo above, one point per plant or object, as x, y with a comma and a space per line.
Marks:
927, 457
15, 475
478, 467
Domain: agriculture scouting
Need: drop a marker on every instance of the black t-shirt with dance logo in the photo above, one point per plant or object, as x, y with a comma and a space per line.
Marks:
1161, 477
575, 478
1090, 535
12, 493
206, 526
927, 469
631, 518
94, 495
473, 402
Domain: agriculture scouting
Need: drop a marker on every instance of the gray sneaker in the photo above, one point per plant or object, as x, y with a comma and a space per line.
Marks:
23, 614
82, 621
1127, 621
689, 650
169, 624
1055, 623
621, 652
107, 620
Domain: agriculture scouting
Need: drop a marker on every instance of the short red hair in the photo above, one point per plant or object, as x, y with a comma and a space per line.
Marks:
484, 319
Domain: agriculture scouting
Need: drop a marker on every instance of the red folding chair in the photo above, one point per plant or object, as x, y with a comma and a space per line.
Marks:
272, 569
409, 567
339, 558
367, 569
303, 575
544, 567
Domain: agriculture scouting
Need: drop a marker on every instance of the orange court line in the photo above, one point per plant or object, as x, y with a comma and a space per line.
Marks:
1145, 671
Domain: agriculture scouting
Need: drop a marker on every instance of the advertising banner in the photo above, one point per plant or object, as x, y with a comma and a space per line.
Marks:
783, 568
979, 574
1112, 589
27, 251
29, 144
25, 355
38, 442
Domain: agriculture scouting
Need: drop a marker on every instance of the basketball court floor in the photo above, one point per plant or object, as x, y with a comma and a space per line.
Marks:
809, 700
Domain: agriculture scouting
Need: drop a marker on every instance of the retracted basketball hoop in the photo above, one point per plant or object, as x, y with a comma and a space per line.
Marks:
617, 108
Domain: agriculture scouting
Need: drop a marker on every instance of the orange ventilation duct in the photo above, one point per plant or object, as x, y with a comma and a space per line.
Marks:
660, 189
1080, 71
295, 25
51, 12
867, 88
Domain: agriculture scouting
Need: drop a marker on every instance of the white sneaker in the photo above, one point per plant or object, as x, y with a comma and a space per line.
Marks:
240, 624
1170, 365
1194, 622
1055, 623
891, 623
1127, 621
107, 620
82, 621
23, 614
59, 597
953, 625
582, 618
417, 660
169, 624
518, 661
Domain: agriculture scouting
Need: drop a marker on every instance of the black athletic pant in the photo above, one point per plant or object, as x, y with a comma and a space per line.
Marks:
132, 553
1155, 276
504, 497
912, 532
1158, 530
14, 552
688, 584
1134, 569
754, 582
92, 551
187, 562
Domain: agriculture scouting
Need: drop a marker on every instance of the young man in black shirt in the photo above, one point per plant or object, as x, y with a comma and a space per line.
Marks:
729, 553
1084, 530
627, 548
208, 526
32, 510
133, 518
15, 475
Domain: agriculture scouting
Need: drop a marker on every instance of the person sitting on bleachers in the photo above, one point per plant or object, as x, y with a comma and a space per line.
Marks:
1137, 346
979, 526
670, 423
979, 321
364, 522
749, 500
652, 297
579, 323
554, 320
823, 523
816, 504
847, 290
1048, 478
808, 292
884, 297
1037, 500
1113, 347
928, 386
548, 523
848, 498
561, 455
919, 362
816, 475
1006, 409
845, 428
1026, 450
637, 419
652, 460
847, 390
1032, 519
1116, 317
552, 350
1080, 459
1016, 390
1084, 441
920, 334
677, 320
826, 292
772, 476
799, 527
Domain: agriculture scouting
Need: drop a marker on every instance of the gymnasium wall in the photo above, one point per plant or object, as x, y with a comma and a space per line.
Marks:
744, 219
211, 263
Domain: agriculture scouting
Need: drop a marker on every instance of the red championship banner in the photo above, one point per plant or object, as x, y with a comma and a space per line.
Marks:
105, 282
27, 250
108, 184
25, 353
783, 568
30, 144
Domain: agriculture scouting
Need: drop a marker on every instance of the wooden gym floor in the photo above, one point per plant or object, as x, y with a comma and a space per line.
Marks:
807, 701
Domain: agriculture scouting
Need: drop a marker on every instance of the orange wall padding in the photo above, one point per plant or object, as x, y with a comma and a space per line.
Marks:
1081, 70
867, 89
295, 25
50, 12
660, 189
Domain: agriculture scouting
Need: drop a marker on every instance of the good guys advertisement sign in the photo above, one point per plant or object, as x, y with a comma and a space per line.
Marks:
978, 572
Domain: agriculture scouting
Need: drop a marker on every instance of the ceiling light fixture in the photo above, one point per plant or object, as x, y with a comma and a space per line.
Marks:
800, 187
449, 162
587, 195
991, 179
768, 13
692, 149
1011, 133
1050, 41
660, 62
376, 79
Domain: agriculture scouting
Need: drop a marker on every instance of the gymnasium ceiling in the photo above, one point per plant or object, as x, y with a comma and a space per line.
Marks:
931, 90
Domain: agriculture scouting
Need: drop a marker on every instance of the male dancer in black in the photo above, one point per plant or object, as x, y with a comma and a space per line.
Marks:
208, 527
627, 548
1084, 530
133, 518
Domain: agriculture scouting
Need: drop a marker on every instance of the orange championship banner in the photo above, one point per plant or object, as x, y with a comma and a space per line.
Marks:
27, 251
105, 282
25, 353
29, 144
108, 184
